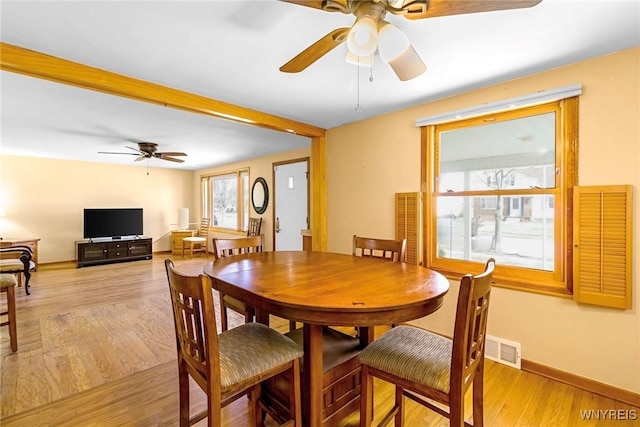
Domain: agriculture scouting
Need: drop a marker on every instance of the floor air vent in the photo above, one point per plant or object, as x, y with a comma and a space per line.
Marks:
502, 351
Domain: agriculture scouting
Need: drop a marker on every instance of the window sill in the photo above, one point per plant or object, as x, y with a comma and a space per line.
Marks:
506, 283
232, 231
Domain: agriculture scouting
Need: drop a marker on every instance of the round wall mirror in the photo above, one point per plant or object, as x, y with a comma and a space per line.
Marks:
260, 195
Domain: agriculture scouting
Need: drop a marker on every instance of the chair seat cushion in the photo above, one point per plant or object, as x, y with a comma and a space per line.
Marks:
414, 354
251, 349
235, 304
13, 265
194, 239
7, 280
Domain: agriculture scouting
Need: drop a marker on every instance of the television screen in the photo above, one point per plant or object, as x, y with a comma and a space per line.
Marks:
112, 222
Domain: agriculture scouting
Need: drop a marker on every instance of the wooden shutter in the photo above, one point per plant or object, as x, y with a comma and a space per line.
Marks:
409, 223
602, 222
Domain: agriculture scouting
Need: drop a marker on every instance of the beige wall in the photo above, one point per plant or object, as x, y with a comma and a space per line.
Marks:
369, 161
260, 167
45, 198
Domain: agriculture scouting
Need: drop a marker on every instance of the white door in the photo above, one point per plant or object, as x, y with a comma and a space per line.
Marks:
291, 204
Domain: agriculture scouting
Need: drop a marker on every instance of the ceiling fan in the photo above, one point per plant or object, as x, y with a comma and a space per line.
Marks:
148, 150
371, 33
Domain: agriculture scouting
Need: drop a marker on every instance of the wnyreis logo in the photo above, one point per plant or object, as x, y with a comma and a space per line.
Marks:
609, 414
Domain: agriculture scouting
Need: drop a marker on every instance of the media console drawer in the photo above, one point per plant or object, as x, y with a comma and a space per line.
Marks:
95, 253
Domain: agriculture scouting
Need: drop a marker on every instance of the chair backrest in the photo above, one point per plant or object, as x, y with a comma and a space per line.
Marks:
393, 250
241, 245
470, 326
195, 326
203, 231
255, 224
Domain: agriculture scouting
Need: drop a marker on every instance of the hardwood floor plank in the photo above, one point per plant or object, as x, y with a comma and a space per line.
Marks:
96, 347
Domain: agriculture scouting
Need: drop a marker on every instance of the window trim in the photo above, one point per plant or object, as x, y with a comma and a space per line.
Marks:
206, 188
559, 282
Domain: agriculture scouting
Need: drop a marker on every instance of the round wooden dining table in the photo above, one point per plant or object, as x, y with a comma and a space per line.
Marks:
322, 289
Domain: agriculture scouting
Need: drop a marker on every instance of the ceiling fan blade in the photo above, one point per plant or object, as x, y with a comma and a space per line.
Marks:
134, 149
408, 65
111, 152
172, 159
316, 51
418, 9
328, 5
170, 153
140, 158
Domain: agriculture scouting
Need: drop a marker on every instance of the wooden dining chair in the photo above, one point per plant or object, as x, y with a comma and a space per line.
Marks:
232, 364
8, 283
393, 250
386, 249
254, 227
427, 367
223, 248
200, 242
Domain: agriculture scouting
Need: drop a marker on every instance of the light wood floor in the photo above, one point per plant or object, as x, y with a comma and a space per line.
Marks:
96, 347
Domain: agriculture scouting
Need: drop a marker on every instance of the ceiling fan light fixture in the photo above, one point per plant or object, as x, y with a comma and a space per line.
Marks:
363, 61
363, 37
408, 65
392, 42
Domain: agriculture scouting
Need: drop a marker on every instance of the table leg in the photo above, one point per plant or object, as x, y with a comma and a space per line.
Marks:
366, 392
312, 377
262, 316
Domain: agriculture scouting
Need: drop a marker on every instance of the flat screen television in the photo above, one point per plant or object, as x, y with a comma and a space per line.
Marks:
112, 222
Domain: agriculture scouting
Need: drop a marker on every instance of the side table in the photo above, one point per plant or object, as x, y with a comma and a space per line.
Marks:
176, 240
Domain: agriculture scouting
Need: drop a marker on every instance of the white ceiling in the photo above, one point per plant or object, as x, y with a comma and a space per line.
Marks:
231, 51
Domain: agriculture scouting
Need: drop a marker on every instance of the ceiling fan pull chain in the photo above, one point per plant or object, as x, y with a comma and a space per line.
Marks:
371, 70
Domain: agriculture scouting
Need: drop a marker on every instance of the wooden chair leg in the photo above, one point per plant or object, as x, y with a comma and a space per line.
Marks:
255, 407
456, 409
478, 397
11, 308
183, 384
366, 397
224, 321
11, 315
399, 418
295, 399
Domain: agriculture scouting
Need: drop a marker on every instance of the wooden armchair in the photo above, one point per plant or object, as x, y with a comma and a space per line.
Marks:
18, 260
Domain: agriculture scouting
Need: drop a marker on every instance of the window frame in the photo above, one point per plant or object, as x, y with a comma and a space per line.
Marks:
242, 202
557, 282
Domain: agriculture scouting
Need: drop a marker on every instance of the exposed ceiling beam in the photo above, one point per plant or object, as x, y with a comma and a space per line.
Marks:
28, 62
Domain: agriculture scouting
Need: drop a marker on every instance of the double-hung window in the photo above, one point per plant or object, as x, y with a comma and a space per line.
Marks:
225, 199
500, 186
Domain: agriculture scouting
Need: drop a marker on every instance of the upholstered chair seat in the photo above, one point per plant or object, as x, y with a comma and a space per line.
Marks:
239, 347
414, 354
